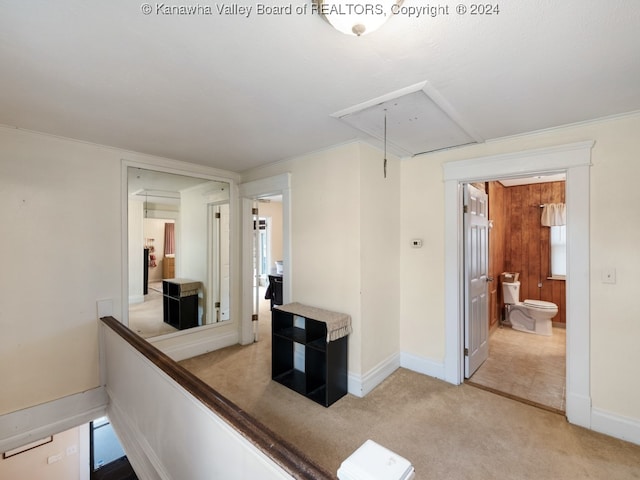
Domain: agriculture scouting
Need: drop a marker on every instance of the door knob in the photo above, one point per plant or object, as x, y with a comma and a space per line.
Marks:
489, 279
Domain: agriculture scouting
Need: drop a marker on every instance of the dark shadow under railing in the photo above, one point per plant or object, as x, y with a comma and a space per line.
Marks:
287, 456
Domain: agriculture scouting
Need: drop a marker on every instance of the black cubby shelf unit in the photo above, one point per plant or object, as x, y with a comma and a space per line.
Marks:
324, 379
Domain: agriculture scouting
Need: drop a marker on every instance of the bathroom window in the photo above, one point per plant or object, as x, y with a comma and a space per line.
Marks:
559, 251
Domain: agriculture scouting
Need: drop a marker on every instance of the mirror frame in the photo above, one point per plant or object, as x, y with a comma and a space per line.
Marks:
197, 171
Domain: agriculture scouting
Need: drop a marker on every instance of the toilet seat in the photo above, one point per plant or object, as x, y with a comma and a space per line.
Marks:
540, 304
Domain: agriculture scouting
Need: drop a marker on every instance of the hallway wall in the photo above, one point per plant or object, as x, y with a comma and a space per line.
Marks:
61, 202
345, 243
614, 196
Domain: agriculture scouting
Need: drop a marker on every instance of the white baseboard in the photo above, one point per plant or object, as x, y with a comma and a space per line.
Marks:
189, 346
361, 385
422, 365
615, 425
34, 423
579, 409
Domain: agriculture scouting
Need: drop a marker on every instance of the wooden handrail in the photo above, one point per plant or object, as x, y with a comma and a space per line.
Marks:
286, 455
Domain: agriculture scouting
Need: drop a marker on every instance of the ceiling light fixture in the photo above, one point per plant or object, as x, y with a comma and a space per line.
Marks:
357, 18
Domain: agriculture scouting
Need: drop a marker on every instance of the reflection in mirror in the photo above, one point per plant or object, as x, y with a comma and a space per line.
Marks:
178, 236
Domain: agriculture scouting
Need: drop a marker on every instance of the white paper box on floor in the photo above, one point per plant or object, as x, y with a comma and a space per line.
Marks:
374, 462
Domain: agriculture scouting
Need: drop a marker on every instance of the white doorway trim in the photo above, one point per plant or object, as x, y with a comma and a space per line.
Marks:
250, 191
575, 160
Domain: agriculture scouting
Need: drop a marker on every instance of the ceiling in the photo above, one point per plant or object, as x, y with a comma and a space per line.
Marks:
513, 182
236, 92
162, 188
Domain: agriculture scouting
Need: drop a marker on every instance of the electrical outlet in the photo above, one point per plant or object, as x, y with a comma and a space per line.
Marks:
416, 243
72, 450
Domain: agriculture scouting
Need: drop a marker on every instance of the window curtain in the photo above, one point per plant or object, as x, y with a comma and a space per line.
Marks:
169, 239
553, 215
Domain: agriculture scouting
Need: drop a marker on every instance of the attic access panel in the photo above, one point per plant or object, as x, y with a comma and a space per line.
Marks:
415, 124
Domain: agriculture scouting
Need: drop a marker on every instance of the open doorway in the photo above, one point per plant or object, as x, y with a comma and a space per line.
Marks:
272, 188
267, 259
575, 160
524, 288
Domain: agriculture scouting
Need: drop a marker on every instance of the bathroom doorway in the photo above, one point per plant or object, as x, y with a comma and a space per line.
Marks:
528, 367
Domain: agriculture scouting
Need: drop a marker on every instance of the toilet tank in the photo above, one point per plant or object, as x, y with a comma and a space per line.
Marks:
511, 292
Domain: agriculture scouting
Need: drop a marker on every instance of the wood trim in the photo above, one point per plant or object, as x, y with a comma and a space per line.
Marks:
287, 456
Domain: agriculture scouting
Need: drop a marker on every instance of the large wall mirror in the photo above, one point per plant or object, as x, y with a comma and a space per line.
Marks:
179, 252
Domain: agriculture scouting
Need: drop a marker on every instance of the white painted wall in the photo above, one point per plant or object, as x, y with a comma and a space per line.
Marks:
192, 250
614, 238
345, 245
379, 258
60, 206
61, 203
325, 224
135, 220
190, 441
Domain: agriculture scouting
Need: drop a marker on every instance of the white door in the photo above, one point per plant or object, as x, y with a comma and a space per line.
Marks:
256, 270
225, 261
476, 253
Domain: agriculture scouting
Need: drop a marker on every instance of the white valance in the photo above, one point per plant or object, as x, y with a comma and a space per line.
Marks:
554, 214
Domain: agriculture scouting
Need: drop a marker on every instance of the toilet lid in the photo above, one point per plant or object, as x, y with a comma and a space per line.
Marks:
540, 304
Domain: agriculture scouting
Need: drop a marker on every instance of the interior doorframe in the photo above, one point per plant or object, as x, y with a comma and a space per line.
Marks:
250, 191
575, 160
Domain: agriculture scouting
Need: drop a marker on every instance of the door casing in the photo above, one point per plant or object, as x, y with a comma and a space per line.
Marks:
575, 160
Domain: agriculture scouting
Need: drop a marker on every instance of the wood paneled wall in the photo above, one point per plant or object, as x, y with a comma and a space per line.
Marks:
497, 248
527, 243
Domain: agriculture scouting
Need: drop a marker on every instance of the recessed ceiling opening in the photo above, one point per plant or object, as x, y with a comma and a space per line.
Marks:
419, 120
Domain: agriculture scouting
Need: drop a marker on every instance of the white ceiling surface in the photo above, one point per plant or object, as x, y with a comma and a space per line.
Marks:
236, 92
161, 187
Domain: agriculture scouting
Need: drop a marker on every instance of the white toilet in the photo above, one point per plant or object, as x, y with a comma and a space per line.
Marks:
531, 316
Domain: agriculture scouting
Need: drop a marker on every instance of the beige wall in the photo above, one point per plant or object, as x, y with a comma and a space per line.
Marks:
33, 465
345, 243
379, 257
615, 236
60, 203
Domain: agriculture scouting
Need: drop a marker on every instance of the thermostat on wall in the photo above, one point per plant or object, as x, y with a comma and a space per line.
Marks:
416, 243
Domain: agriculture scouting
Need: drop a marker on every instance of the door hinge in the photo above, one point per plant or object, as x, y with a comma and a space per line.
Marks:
217, 305
465, 209
254, 211
466, 352
254, 317
217, 214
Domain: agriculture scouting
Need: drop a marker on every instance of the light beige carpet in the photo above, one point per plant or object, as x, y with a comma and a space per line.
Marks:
146, 318
445, 431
